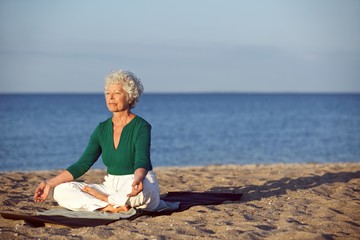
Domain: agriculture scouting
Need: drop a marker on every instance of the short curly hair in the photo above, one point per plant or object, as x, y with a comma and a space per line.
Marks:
130, 83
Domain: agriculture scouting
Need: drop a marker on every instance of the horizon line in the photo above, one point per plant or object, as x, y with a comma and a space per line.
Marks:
187, 92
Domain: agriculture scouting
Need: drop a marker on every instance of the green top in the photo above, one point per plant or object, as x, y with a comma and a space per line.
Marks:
133, 151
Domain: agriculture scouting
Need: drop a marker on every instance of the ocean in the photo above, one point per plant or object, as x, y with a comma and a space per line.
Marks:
50, 131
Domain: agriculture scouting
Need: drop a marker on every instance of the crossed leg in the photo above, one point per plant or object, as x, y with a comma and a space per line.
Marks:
104, 197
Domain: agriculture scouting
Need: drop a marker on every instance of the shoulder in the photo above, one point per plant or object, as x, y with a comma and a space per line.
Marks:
106, 122
102, 126
140, 121
141, 124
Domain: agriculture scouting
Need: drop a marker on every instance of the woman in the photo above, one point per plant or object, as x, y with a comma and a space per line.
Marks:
124, 143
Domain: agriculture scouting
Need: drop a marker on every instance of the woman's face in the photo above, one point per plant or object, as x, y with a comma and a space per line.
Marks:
116, 98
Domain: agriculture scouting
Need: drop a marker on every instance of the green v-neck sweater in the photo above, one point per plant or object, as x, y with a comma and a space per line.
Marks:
133, 151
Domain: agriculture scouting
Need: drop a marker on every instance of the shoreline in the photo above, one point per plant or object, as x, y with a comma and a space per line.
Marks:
196, 166
280, 201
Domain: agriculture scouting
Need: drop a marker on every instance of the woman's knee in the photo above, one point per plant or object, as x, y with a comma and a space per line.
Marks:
60, 190
147, 200
63, 190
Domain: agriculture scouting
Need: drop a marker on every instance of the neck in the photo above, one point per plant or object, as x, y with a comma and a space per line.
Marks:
121, 118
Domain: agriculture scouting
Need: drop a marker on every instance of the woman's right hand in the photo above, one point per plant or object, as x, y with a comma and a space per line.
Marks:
44, 188
42, 192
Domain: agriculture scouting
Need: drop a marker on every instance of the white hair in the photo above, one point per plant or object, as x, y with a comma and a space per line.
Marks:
130, 83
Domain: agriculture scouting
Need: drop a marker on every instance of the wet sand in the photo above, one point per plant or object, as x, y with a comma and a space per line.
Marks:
280, 201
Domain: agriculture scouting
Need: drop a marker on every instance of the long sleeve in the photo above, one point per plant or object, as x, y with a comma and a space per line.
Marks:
88, 158
142, 148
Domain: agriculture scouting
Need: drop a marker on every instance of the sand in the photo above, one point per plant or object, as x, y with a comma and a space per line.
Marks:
281, 201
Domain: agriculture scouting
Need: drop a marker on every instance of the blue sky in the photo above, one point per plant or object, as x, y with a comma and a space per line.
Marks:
181, 46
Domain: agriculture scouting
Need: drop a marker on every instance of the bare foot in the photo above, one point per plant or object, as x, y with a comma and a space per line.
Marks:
104, 197
110, 208
95, 193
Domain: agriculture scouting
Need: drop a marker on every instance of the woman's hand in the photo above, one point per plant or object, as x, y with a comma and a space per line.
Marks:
42, 192
44, 188
137, 187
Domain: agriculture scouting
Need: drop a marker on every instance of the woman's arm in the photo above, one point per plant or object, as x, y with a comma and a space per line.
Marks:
44, 188
140, 174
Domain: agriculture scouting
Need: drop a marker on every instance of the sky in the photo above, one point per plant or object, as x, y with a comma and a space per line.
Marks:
181, 46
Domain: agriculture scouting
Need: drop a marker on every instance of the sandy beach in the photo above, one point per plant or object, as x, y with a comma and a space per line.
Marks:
280, 201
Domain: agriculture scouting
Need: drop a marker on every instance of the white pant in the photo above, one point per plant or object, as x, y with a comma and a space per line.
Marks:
70, 195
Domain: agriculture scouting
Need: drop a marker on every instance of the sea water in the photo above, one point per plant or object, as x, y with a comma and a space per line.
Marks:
50, 131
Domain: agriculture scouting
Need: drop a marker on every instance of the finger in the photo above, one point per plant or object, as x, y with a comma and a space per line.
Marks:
41, 195
38, 196
133, 194
39, 190
37, 193
135, 183
38, 199
137, 187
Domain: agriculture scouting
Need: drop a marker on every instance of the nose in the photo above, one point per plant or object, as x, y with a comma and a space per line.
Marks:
110, 95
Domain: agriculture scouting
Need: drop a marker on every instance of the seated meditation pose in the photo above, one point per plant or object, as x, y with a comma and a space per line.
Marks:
123, 140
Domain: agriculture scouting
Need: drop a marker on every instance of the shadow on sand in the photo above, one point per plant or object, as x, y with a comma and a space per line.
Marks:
280, 187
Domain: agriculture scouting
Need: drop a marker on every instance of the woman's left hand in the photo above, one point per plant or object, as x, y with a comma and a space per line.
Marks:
137, 187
